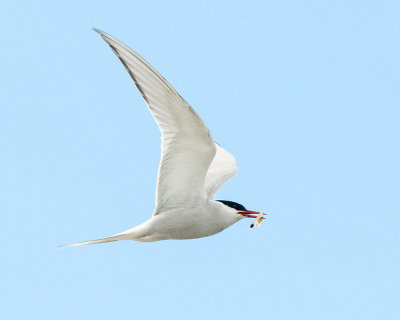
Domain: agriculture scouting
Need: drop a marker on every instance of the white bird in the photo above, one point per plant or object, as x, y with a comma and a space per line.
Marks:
192, 168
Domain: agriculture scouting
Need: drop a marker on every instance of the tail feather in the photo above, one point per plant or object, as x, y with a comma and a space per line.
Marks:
102, 240
137, 233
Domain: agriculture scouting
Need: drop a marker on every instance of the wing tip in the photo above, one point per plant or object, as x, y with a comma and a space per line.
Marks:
98, 30
103, 34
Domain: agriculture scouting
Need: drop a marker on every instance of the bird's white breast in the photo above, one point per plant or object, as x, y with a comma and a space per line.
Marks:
189, 222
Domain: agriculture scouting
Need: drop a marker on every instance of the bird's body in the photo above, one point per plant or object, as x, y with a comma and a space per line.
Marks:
192, 168
181, 222
196, 221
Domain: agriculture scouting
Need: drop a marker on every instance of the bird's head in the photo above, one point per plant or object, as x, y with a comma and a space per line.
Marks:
241, 210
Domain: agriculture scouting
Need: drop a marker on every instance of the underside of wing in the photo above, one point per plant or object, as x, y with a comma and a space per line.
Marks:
222, 168
186, 144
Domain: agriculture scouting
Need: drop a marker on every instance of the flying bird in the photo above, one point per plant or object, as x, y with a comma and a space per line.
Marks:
192, 167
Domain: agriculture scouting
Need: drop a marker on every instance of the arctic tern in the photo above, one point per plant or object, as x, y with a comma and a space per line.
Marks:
192, 167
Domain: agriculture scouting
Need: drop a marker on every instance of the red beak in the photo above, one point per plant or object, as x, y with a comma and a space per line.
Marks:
249, 214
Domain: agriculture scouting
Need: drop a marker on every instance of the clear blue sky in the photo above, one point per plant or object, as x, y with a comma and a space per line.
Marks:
305, 94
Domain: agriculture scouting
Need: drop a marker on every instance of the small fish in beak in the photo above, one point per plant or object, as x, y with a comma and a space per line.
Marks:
258, 220
259, 216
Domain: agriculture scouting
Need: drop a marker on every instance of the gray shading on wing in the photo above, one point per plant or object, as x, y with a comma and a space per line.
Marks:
222, 169
187, 148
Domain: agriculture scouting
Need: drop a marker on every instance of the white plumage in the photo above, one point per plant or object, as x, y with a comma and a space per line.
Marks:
192, 167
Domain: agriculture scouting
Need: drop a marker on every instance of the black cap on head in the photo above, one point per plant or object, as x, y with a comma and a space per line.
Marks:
234, 205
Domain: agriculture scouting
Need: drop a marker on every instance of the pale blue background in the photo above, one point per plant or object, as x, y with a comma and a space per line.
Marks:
305, 94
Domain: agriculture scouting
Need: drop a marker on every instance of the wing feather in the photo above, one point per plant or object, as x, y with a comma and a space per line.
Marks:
222, 169
187, 148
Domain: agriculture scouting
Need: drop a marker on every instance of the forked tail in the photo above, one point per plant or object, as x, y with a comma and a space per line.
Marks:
102, 240
137, 233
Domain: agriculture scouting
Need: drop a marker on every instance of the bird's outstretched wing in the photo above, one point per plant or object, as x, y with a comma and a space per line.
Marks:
187, 148
222, 168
